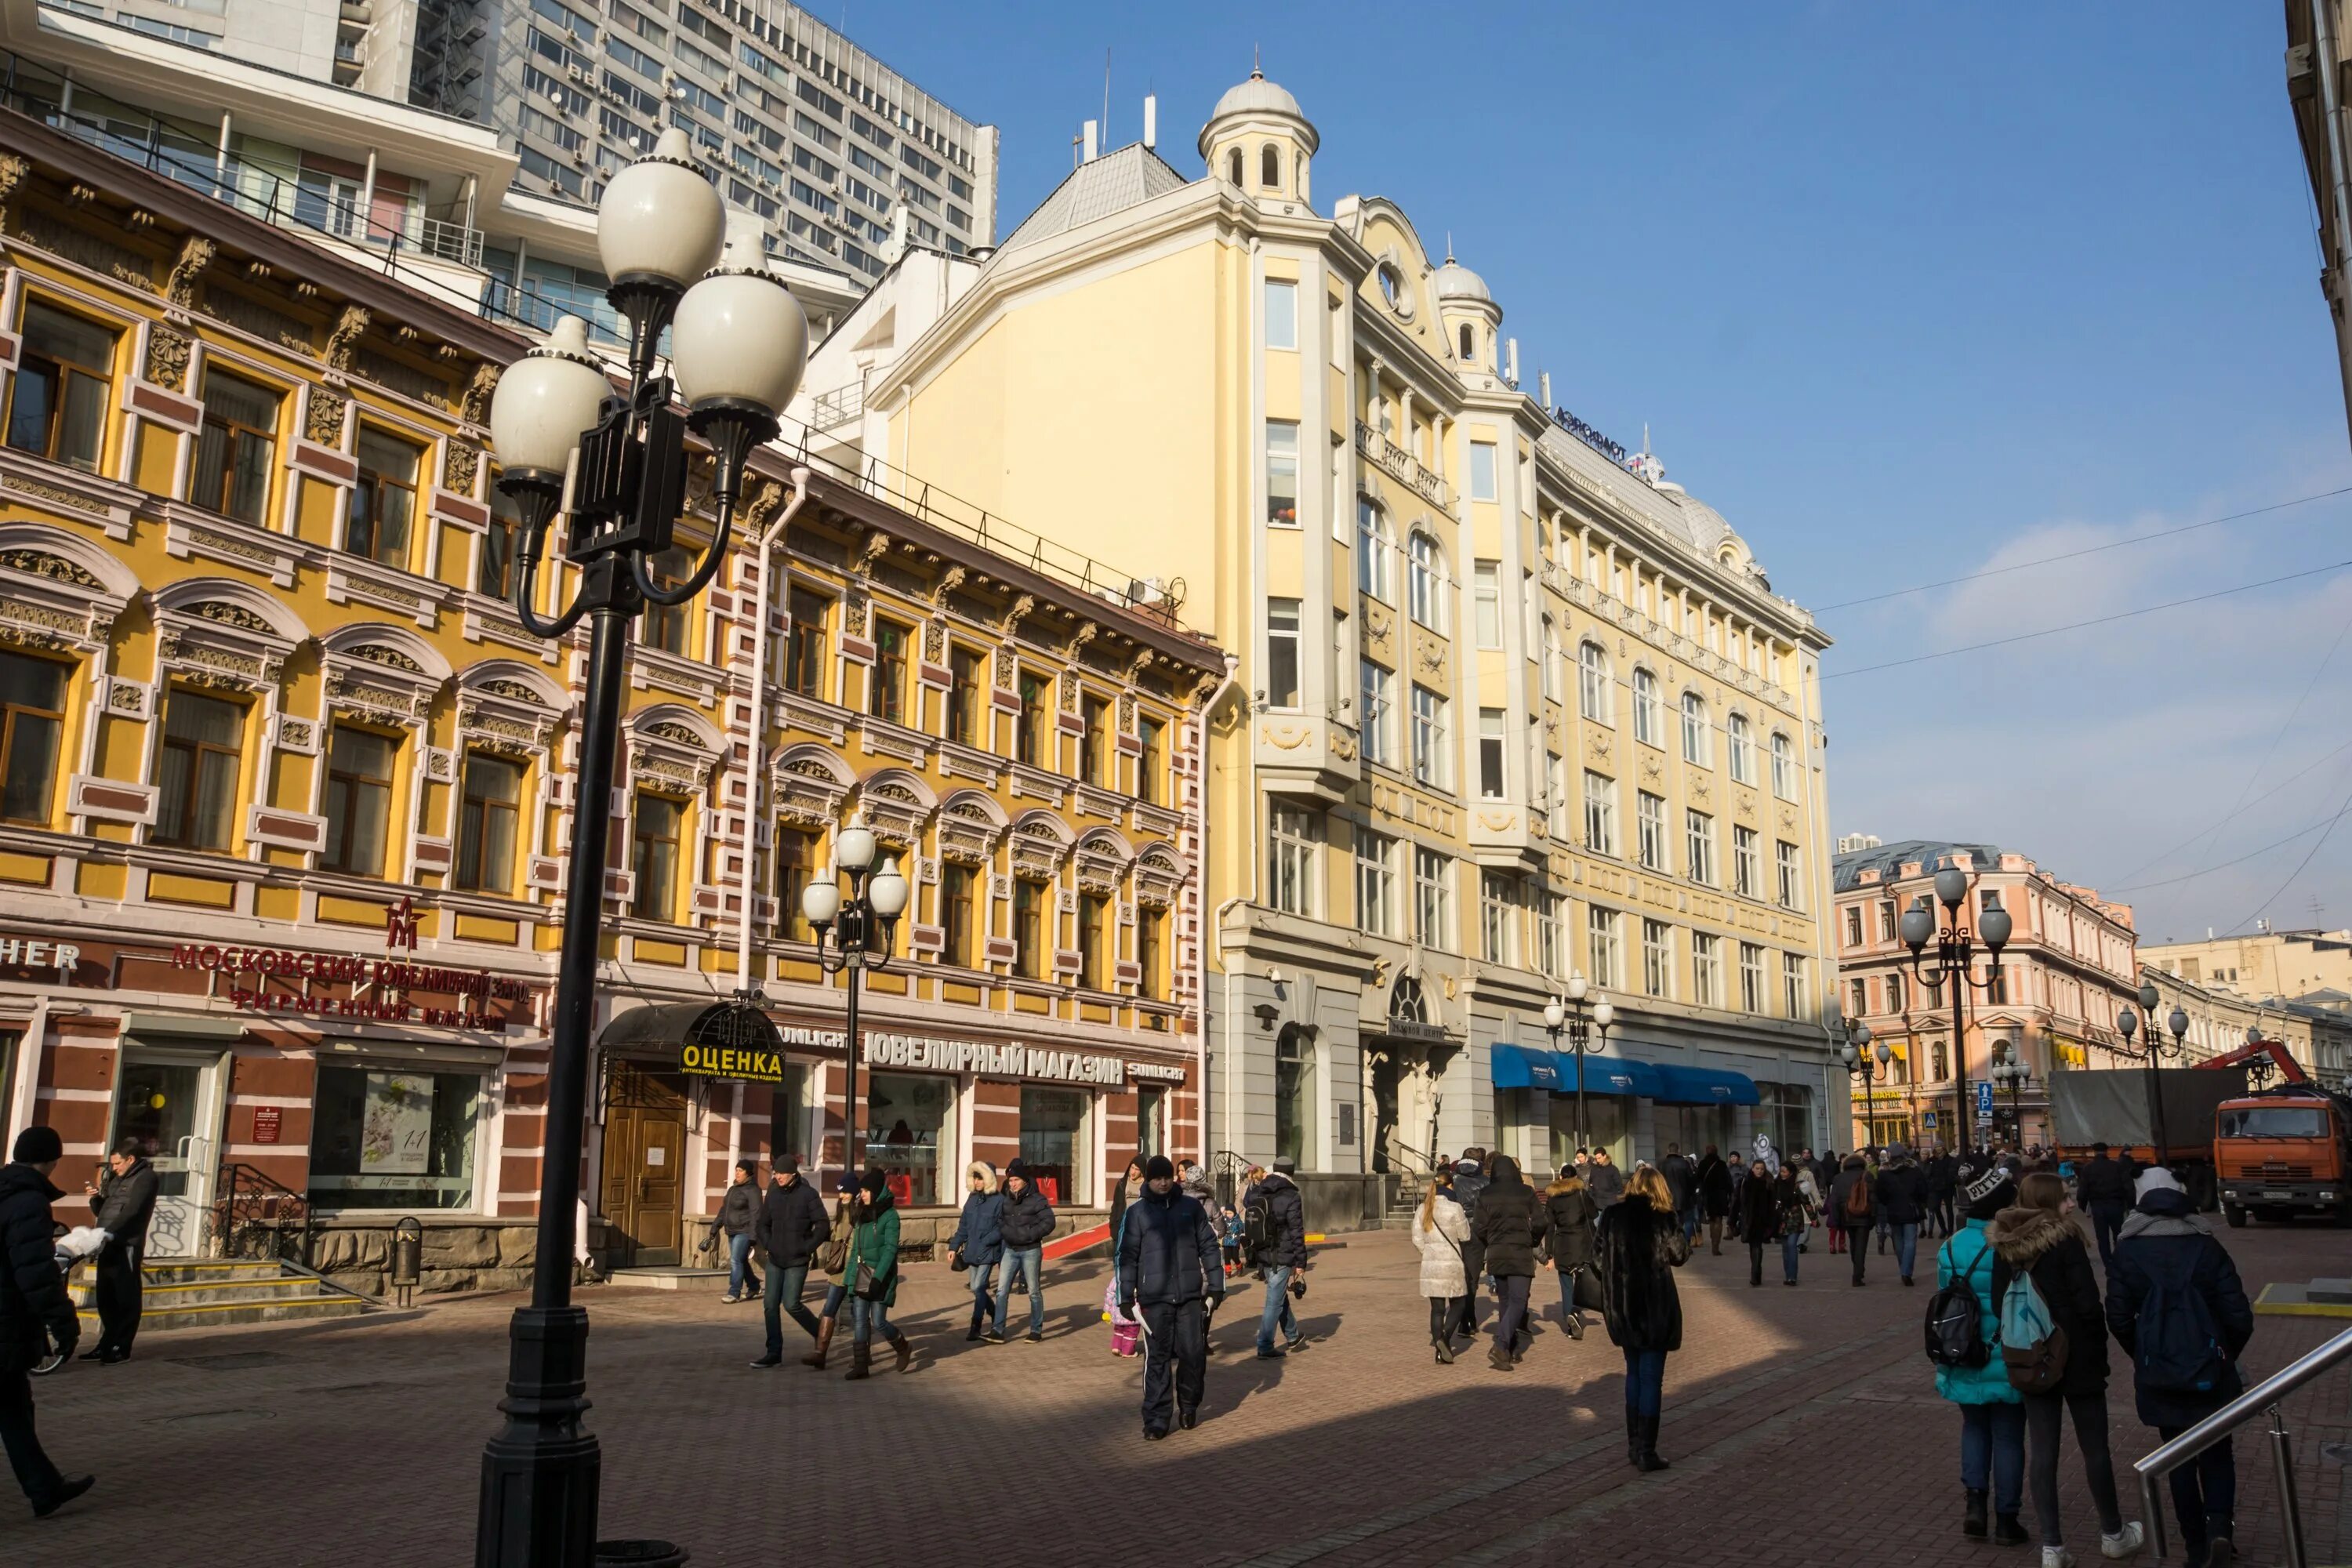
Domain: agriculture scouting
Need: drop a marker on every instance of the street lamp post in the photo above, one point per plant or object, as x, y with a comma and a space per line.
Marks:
1954, 962
1867, 1065
1573, 1013
738, 345
2014, 1075
861, 927
2258, 1068
2128, 1022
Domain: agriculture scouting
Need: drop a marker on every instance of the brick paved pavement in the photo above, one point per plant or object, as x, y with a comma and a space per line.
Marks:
1802, 1426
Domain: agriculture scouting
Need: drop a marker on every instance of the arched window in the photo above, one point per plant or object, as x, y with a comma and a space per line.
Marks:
1551, 658
1426, 571
1648, 721
1742, 748
1375, 553
1233, 168
1269, 167
1468, 343
1784, 768
1592, 682
1695, 748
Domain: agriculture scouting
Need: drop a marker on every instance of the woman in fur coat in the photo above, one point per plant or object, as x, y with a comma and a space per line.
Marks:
1640, 1246
1439, 1230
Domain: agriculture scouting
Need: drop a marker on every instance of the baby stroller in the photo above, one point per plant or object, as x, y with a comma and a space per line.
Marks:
72, 1246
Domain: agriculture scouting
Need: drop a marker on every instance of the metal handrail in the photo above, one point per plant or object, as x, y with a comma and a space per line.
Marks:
2264, 1396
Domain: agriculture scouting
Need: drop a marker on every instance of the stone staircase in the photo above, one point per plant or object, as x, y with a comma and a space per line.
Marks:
1405, 1196
186, 1293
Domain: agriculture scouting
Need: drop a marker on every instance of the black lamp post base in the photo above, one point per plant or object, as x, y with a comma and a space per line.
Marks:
540, 1474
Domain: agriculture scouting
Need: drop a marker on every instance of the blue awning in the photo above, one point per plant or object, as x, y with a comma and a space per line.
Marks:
1522, 1067
1701, 1086
1612, 1075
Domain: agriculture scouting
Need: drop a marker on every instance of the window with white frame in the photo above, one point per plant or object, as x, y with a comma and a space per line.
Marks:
1751, 978
1486, 604
1281, 313
1556, 804
1552, 660
1499, 899
1490, 753
1549, 925
1741, 749
1375, 551
1425, 571
1429, 764
1706, 969
1282, 473
1282, 653
1698, 847
1592, 677
1746, 864
1482, 470
1293, 834
1379, 701
1695, 748
1600, 813
1784, 767
1603, 956
1792, 875
1657, 958
1650, 829
1376, 909
1432, 899
1649, 720
1793, 990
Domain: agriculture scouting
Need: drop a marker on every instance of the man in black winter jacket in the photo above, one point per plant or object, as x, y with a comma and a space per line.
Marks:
34, 1310
737, 1211
2104, 1187
1902, 1204
1282, 1257
1171, 1273
1026, 1222
124, 1202
788, 1227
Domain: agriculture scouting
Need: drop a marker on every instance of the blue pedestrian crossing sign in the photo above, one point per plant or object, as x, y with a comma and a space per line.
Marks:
1930, 1118
1984, 1101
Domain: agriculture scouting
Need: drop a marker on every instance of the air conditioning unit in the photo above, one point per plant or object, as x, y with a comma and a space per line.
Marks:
577, 73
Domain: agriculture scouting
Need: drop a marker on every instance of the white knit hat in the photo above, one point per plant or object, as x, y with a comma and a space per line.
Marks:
2154, 1179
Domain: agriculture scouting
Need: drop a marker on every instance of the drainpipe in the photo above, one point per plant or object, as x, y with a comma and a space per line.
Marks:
756, 759
1225, 688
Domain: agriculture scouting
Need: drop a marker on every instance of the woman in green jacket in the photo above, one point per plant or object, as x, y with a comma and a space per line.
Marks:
874, 1259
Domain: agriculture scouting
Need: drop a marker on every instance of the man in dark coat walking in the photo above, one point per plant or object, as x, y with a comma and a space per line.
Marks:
1943, 1172
1027, 1221
1713, 1196
33, 1311
124, 1202
2104, 1187
1854, 1200
1902, 1204
1171, 1274
1507, 1222
1681, 1180
787, 1229
1280, 1258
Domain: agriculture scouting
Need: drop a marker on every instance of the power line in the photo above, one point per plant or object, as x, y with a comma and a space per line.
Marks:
2313, 853
2077, 554
2235, 812
2095, 621
2249, 855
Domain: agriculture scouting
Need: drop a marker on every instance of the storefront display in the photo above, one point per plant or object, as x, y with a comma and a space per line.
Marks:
910, 1133
1607, 1124
394, 1138
1054, 1143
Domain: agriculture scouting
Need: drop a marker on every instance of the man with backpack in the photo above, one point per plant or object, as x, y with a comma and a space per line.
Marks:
1274, 1232
2177, 1307
2104, 1187
1855, 1201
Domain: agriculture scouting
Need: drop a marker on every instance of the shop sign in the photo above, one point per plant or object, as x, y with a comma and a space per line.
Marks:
1155, 1072
472, 987
61, 956
924, 1052
738, 1062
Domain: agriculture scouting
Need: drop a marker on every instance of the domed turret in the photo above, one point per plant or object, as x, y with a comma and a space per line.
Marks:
1468, 313
1259, 141
1455, 281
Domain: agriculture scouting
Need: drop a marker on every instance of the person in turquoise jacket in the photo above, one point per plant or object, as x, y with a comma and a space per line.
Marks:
1992, 1413
874, 1245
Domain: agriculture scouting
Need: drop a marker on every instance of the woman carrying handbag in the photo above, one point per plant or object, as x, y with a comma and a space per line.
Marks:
1569, 1211
873, 1268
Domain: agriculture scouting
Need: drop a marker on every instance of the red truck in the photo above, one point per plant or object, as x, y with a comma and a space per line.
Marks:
2284, 1151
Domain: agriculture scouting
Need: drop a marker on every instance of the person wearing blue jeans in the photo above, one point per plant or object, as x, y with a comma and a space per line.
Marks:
1992, 1454
787, 1230
1277, 1314
737, 1212
1280, 1238
1023, 1223
1023, 1263
1645, 1384
1993, 1412
1907, 1249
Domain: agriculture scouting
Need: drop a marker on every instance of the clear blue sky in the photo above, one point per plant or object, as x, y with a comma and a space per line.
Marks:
1904, 291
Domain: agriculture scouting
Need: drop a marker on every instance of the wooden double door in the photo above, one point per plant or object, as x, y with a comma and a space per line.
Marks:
643, 1189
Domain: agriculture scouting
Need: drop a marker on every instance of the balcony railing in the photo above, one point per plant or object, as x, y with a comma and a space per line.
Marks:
838, 407
1402, 467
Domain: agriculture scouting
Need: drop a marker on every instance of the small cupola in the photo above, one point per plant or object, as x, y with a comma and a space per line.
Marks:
1468, 313
1259, 141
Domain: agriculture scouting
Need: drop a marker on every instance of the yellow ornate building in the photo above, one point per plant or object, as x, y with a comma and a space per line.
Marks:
285, 809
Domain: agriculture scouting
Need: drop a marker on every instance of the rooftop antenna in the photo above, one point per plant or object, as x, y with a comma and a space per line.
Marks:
1449, 246
1106, 114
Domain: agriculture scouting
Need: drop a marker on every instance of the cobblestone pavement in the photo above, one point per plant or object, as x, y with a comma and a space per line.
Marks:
1801, 1423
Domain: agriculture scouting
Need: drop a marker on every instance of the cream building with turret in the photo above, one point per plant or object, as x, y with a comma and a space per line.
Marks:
1507, 708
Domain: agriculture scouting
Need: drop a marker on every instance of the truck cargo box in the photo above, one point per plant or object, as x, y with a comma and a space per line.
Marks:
2113, 1107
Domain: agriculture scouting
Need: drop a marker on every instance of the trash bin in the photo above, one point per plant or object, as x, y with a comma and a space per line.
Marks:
640, 1554
407, 1258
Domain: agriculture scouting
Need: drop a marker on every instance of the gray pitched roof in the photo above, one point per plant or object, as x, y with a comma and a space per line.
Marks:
1928, 852
1111, 183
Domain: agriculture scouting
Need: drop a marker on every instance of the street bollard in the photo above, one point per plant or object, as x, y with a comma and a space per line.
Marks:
407, 1259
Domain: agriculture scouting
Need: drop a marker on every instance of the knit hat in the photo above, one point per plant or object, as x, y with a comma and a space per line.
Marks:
2154, 1179
1017, 1168
39, 1145
790, 1164
874, 1181
1988, 1187
1159, 1168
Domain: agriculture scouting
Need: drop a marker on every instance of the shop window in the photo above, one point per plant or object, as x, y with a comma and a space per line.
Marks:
197, 772
886, 691
1094, 753
1094, 939
394, 1139
1149, 760
1029, 928
1294, 1095
237, 447
788, 1115
383, 500
1054, 1143
494, 572
1150, 1120
965, 694
32, 723
911, 1135
57, 397
487, 817
664, 625
1029, 725
1150, 933
956, 914
796, 862
656, 828
804, 649
359, 800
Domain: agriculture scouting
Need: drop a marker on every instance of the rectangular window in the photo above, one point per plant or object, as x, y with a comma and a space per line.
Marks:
1649, 724
487, 818
1894, 990
1751, 978
1706, 969
64, 381
1792, 875
1282, 653
1549, 925
1282, 473
963, 697
1151, 759
1094, 748
955, 914
796, 863
1281, 314
1601, 950
376, 518
32, 724
1746, 864
1029, 928
394, 1138
1657, 958
664, 625
359, 801
1429, 738
1853, 926
1594, 694
1557, 810
1650, 829
1482, 470
1151, 933
1291, 838
1375, 883
1784, 768
1886, 921
1497, 927
1029, 724
197, 772
1742, 750
1699, 829
1094, 937
1490, 752
1695, 749
657, 830
1600, 813
1793, 990
493, 565
886, 691
1857, 1001
1486, 604
804, 651
1379, 701
234, 452
1432, 899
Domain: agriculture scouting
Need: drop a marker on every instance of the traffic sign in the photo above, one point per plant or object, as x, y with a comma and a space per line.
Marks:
1984, 1101
1930, 1118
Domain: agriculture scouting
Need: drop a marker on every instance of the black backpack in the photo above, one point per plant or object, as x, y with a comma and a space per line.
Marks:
2177, 1347
1260, 1235
1955, 1320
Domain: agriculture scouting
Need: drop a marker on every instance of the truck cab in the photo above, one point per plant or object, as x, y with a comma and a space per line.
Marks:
2284, 1152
